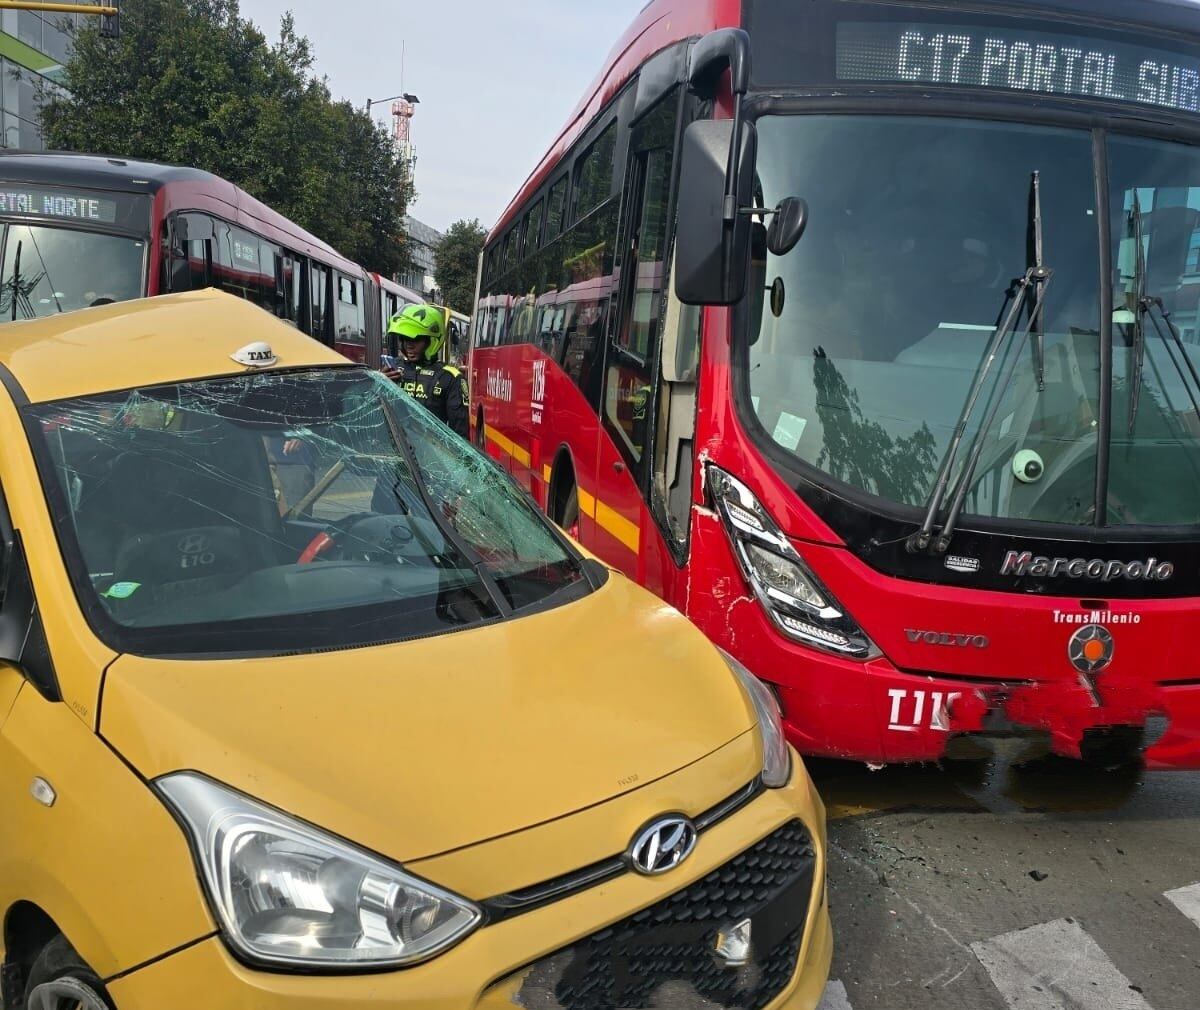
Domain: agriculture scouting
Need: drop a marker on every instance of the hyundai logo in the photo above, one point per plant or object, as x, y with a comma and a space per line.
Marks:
662, 846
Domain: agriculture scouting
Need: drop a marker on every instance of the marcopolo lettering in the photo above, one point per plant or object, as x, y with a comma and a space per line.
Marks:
1021, 563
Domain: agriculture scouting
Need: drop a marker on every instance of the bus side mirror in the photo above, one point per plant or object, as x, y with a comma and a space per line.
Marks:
787, 226
712, 253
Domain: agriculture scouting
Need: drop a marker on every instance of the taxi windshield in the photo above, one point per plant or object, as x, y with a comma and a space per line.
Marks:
286, 511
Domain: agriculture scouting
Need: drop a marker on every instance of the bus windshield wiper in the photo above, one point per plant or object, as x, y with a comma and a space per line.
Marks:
16, 282
1139, 315
1147, 306
1031, 287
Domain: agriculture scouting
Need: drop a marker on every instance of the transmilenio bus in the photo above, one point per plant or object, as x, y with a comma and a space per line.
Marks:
80, 230
865, 333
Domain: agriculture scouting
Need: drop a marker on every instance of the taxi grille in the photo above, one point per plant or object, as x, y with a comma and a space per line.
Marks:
666, 955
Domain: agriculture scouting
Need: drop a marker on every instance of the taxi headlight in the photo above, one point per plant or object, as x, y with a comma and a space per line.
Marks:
291, 896
777, 758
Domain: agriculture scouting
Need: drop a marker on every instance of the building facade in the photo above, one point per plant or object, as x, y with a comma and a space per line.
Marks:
422, 241
34, 48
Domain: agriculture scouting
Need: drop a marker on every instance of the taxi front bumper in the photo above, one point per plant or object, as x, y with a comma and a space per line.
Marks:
504, 964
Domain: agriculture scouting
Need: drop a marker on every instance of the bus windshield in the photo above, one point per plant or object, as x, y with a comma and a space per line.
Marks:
52, 269
890, 300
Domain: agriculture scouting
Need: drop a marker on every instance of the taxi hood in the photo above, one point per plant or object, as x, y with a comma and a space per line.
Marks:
419, 748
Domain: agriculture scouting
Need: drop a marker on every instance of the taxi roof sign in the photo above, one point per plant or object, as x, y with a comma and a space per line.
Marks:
256, 355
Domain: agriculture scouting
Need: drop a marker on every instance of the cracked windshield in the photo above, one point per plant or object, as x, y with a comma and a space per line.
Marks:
919, 229
278, 503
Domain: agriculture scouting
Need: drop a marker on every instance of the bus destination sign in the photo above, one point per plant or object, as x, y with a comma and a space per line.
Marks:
58, 204
1054, 64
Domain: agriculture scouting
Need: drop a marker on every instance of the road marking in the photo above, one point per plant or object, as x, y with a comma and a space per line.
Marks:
835, 998
1056, 966
1187, 900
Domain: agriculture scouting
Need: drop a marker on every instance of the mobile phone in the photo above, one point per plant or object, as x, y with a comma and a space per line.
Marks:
388, 361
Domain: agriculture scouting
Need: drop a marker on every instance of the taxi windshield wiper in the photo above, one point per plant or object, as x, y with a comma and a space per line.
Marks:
1029, 288
1147, 306
400, 438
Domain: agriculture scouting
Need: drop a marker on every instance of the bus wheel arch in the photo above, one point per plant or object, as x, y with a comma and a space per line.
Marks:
562, 501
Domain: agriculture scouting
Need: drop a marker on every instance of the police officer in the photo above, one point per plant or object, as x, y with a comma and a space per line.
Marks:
442, 389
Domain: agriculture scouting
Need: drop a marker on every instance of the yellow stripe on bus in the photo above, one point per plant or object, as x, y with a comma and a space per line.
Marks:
587, 504
620, 527
606, 518
508, 445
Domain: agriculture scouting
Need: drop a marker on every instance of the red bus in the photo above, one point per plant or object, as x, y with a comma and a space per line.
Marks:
82, 230
865, 334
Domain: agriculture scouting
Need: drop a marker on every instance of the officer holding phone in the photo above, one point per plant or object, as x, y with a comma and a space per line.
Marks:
442, 389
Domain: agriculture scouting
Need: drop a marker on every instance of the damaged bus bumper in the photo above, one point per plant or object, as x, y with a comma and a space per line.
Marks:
1078, 673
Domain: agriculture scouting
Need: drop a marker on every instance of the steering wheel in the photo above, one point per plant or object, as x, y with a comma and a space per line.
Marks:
332, 536
388, 537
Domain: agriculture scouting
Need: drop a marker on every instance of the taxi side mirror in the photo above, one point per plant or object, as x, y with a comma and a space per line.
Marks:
22, 638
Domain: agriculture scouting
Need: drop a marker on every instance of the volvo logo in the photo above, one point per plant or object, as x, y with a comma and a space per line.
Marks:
944, 638
1022, 563
663, 845
1091, 649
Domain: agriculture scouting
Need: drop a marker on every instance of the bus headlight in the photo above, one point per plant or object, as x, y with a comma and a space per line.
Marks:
290, 896
777, 759
801, 607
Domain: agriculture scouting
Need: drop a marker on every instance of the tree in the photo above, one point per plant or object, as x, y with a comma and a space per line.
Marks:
194, 83
456, 264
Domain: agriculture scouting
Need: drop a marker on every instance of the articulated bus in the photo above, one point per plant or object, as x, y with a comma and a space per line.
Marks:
82, 230
865, 333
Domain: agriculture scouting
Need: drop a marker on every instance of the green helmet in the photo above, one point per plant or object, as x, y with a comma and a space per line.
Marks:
421, 322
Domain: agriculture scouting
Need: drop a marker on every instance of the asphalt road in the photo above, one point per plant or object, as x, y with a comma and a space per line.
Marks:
1006, 884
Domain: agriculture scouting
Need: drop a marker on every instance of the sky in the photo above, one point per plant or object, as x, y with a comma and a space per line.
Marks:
496, 81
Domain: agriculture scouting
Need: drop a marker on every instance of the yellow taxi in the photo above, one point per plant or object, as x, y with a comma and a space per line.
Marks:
303, 705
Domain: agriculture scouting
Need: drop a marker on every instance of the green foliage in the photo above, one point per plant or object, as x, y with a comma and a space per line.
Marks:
456, 264
192, 82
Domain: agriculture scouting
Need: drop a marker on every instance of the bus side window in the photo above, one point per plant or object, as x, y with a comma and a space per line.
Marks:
584, 289
320, 303
239, 266
191, 252
632, 369
555, 206
533, 230
350, 328
594, 175
289, 284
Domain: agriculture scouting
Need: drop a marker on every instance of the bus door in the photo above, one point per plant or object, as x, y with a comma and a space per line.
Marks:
632, 365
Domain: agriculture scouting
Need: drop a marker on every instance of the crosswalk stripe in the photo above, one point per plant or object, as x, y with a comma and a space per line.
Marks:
835, 998
1056, 966
1187, 900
